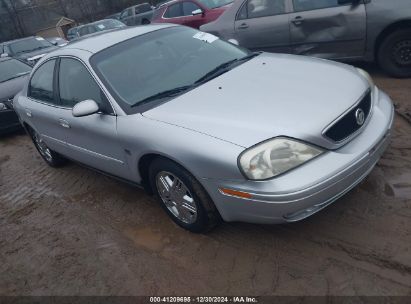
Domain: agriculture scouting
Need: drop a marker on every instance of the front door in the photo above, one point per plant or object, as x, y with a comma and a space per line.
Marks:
92, 139
327, 29
263, 25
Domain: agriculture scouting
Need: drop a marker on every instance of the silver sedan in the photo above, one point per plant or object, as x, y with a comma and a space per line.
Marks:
214, 131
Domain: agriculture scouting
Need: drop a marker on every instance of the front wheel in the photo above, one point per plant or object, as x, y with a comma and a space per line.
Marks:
52, 158
394, 54
182, 197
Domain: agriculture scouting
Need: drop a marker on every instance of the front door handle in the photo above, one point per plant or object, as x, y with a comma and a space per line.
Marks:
28, 113
243, 26
64, 123
298, 20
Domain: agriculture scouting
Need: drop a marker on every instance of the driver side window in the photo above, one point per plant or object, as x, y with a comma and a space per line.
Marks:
76, 85
308, 5
262, 8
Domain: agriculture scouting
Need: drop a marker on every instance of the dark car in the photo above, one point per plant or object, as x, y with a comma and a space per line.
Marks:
13, 76
137, 15
347, 30
30, 49
99, 26
193, 13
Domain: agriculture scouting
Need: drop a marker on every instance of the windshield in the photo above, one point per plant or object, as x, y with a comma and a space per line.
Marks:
28, 45
215, 3
12, 68
109, 24
159, 61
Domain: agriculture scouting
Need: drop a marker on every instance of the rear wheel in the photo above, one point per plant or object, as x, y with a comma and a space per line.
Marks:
182, 197
52, 158
394, 54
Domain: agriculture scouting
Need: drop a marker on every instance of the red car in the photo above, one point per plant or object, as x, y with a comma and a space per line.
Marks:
193, 13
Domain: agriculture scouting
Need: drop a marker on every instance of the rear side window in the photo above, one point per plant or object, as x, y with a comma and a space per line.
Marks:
262, 8
189, 7
76, 84
308, 5
174, 11
41, 84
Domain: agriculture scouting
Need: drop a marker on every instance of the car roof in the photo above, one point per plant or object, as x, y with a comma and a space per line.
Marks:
103, 40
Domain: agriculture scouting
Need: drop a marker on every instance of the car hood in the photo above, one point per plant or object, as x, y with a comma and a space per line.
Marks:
35, 55
271, 95
10, 88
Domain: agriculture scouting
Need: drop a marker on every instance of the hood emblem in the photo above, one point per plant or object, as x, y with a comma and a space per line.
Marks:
360, 116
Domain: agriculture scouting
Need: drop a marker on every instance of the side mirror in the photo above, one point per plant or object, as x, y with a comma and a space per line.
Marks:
234, 41
197, 12
85, 108
4, 55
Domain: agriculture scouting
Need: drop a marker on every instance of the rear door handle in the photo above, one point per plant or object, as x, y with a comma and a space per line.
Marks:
64, 123
243, 26
298, 20
28, 113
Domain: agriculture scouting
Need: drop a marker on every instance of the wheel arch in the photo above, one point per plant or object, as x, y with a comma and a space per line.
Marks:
144, 165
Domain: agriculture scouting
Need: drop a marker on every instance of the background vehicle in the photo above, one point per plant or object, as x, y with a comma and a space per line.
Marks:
376, 30
210, 128
57, 41
30, 49
193, 13
13, 76
114, 16
73, 33
99, 26
138, 14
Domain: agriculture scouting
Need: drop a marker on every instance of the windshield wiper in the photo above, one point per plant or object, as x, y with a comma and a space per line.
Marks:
164, 94
223, 68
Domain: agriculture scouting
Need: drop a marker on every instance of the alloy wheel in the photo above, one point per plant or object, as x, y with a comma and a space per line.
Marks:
402, 53
176, 197
42, 147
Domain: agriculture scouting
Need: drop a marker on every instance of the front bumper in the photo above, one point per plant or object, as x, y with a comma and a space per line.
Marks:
313, 186
9, 121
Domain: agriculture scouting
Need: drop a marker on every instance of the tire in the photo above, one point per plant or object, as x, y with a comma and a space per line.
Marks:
145, 22
52, 158
199, 214
394, 54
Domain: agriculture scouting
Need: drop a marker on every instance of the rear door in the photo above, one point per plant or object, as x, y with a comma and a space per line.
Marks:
92, 139
327, 29
263, 25
42, 109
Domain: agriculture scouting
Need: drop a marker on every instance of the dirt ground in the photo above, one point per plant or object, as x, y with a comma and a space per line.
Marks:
72, 231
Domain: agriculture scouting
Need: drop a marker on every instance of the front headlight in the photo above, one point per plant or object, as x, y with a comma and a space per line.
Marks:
366, 76
274, 157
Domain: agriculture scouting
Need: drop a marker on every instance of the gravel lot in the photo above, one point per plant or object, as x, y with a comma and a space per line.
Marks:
72, 231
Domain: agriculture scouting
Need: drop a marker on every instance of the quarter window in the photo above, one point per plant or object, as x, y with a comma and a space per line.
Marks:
174, 11
76, 84
189, 7
262, 8
308, 5
41, 84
